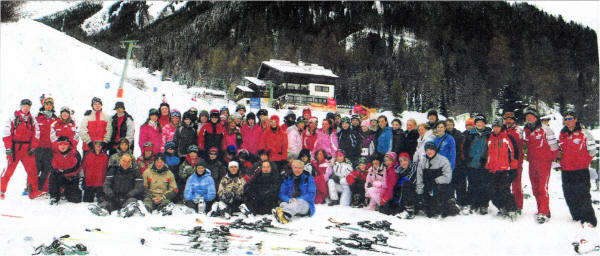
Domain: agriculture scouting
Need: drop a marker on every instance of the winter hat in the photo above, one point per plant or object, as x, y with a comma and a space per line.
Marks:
345, 120
275, 118
469, 121
169, 145
26, 102
238, 116
175, 113
510, 115
403, 155
429, 145
391, 155
339, 153
336, 115
262, 112
188, 115
300, 119
160, 156
204, 113
214, 113
243, 154
62, 139
119, 104
570, 113
532, 111
193, 109
123, 140
365, 123
497, 122
96, 99
432, 112
240, 106
362, 160
397, 120
224, 108
65, 109
200, 162
234, 163
49, 100
251, 115
148, 146
153, 111
480, 118
355, 116
192, 148
231, 149
313, 119
304, 152
306, 111
164, 104
213, 149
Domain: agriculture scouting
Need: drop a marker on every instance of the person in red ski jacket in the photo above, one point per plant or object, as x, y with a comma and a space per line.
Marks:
94, 167
95, 126
144, 161
274, 140
151, 131
251, 132
578, 149
502, 164
542, 149
356, 180
389, 161
323, 170
20, 139
165, 114
309, 135
64, 173
516, 133
43, 152
211, 134
65, 126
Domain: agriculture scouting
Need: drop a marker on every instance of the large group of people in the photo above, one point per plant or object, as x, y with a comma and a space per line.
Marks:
216, 162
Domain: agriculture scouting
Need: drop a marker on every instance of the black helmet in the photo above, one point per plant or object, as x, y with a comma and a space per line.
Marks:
300, 119
532, 111
355, 116
479, 118
251, 115
26, 102
330, 115
240, 106
262, 112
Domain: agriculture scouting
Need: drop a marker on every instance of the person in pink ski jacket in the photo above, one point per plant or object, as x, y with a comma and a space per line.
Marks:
326, 139
168, 131
375, 183
150, 131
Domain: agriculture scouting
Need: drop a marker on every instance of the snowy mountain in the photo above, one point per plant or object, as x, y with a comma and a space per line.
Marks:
38, 59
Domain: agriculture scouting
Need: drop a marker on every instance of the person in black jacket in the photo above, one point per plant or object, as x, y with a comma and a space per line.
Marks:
348, 141
216, 167
398, 141
63, 172
122, 127
185, 135
123, 186
260, 193
411, 137
459, 175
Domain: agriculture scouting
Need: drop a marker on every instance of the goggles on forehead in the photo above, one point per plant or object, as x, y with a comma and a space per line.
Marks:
508, 115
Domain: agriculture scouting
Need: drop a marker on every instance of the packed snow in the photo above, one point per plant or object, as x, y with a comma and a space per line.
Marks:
37, 59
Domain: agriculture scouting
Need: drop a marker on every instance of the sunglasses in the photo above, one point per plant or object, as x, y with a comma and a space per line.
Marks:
569, 119
212, 153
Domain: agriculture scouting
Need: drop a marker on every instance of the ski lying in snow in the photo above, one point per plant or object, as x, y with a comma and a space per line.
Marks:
196, 231
11, 216
585, 247
367, 227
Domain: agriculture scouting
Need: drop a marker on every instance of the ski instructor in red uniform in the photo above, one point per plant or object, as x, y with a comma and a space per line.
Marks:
21, 136
95, 126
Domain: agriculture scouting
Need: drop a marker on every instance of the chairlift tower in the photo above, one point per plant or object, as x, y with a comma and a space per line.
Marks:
130, 45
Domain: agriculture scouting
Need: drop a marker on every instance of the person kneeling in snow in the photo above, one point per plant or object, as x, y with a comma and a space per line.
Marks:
231, 189
296, 194
404, 197
199, 189
123, 186
337, 182
433, 184
160, 186
356, 180
63, 172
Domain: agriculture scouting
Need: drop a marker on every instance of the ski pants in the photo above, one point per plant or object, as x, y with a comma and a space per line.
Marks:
89, 193
539, 174
150, 205
405, 197
321, 187
116, 203
517, 189
335, 188
222, 207
459, 185
500, 190
20, 155
374, 193
576, 189
358, 192
438, 200
70, 184
191, 204
478, 187
298, 207
43, 161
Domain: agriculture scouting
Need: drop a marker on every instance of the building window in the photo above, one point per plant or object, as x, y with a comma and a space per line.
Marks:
320, 100
321, 88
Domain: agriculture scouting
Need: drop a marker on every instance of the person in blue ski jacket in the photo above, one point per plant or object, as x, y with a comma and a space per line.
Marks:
383, 135
199, 189
297, 194
448, 147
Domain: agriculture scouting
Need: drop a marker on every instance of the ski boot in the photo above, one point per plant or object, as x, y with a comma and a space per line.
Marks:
501, 212
97, 210
129, 210
483, 210
512, 216
541, 218
280, 216
201, 207
333, 202
464, 210
406, 214
245, 211
54, 201
2, 196
167, 209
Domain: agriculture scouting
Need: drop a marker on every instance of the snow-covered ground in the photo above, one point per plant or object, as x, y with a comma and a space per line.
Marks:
37, 59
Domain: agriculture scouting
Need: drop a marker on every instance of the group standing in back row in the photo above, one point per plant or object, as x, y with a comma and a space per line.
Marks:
221, 162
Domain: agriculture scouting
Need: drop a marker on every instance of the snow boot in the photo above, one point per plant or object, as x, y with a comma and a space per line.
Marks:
167, 210
464, 210
201, 207
279, 215
97, 210
245, 211
128, 210
54, 201
541, 218
333, 202
512, 216
483, 210
2, 196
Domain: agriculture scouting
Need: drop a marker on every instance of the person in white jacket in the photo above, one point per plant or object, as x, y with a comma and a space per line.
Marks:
295, 138
337, 182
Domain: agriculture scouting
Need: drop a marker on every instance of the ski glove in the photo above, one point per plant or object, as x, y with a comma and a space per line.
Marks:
30, 151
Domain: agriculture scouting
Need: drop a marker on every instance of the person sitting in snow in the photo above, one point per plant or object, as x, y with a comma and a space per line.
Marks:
403, 201
94, 168
231, 190
389, 162
63, 172
146, 159
260, 193
199, 190
218, 170
433, 184
123, 186
337, 182
321, 175
356, 180
173, 161
375, 183
188, 166
160, 186
297, 193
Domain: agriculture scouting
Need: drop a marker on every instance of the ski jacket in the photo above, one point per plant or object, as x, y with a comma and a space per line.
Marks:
390, 178
234, 139
94, 168
367, 143
250, 137
349, 143
294, 142
151, 133
172, 161
163, 120
167, 134
160, 183
475, 147
184, 137
458, 142
541, 143
188, 167
95, 127
304, 184
66, 163
218, 170
427, 166
447, 149
230, 184
420, 150
322, 169
578, 148
200, 186
384, 140
398, 141
66, 128
516, 133
123, 183
262, 191
143, 164
327, 142
211, 135
309, 139
276, 142
501, 153
410, 141
122, 127
375, 178
356, 175
21, 129
44, 124
341, 170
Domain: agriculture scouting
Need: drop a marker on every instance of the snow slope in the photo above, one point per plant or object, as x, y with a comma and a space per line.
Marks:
37, 59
